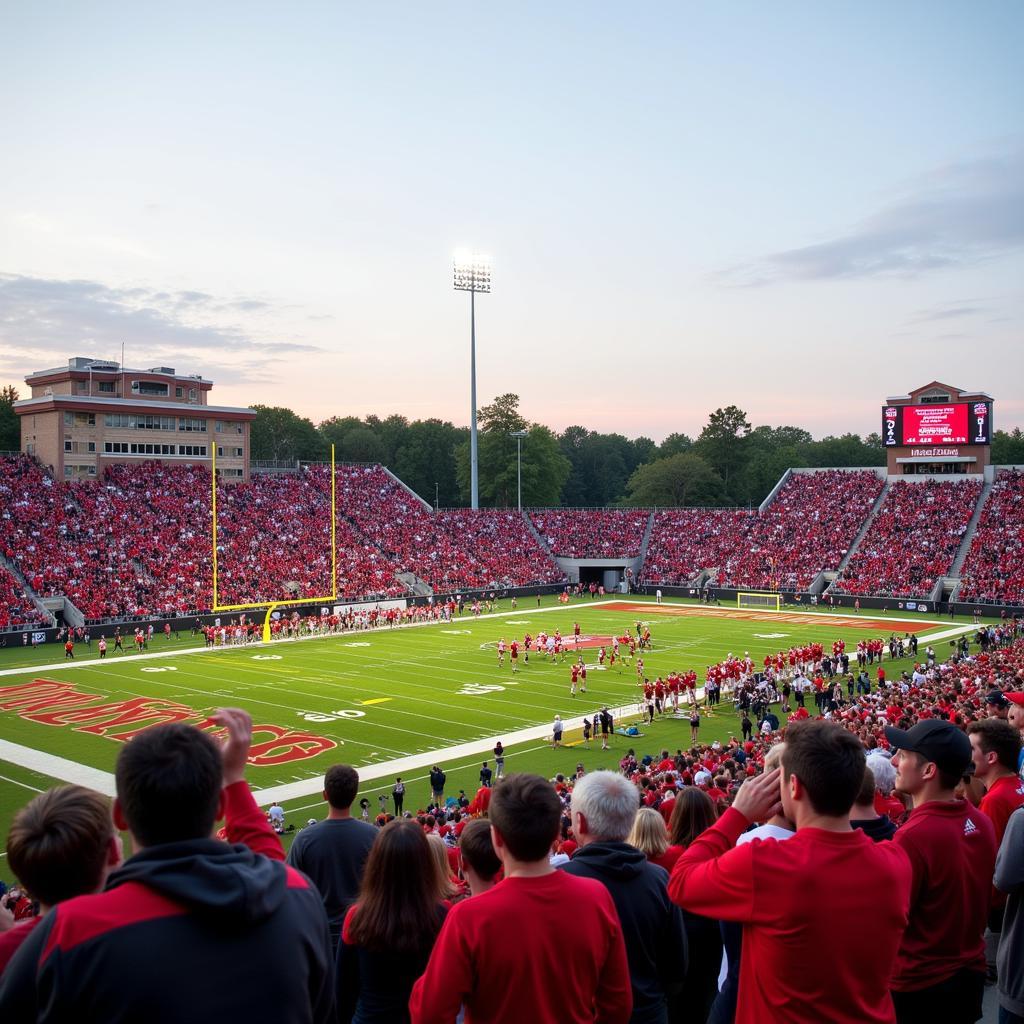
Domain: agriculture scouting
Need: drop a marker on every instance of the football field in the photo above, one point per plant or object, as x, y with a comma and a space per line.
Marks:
391, 701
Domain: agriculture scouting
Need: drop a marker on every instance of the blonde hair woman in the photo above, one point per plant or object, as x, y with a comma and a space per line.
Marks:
650, 836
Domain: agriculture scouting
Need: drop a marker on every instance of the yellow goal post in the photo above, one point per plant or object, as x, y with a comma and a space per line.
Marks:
759, 599
271, 606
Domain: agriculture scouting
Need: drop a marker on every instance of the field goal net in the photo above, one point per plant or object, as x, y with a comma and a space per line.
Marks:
759, 600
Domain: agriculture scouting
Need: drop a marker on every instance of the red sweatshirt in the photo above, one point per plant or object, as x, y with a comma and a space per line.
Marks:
952, 848
790, 920
546, 950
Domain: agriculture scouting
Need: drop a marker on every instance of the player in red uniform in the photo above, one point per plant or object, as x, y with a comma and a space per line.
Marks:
601, 656
513, 653
574, 675
576, 633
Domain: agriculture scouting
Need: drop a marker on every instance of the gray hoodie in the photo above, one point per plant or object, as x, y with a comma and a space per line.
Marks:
1009, 878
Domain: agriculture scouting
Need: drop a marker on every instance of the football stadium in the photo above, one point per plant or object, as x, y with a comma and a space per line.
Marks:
321, 704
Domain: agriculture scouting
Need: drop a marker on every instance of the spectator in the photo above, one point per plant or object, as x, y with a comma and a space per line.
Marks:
437, 781
940, 971
390, 930
692, 813
786, 927
480, 864
863, 814
583, 981
1009, 879
333, 852
995, 748
604, 806
650, 836
398, 796
61, 844
247, 933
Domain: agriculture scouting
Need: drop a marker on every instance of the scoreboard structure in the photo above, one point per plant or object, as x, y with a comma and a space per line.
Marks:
937, 429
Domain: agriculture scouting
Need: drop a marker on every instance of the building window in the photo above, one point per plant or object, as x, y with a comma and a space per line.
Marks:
92, 471
193, 394
238, 452
92, 446
67, 446
69, 419
106, 387
179, 392
149, 387
192, 424
67, 472
219, 426
198, 450
82, 387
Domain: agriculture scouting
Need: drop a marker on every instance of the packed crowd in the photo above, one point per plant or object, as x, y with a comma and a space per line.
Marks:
913, 540
592, 533
16, 607
685, 541
808, 527
994, 568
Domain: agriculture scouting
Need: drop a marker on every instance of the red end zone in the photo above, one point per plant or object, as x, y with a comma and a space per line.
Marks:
789, 618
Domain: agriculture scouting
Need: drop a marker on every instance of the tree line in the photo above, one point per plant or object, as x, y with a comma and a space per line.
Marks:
730, 462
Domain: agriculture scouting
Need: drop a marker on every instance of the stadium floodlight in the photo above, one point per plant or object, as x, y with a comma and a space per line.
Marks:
519, 435
472, 273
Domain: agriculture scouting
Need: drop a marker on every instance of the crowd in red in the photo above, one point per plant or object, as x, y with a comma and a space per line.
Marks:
16, 606
913, 539
686, 540
808, 527
994, 569
592, 533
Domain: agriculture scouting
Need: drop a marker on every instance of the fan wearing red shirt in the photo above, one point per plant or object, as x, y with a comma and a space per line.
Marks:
762, 884
995, 747
940, 972
539, 977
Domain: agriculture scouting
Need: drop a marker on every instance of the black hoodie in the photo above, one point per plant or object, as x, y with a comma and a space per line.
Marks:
192, 931
652, 925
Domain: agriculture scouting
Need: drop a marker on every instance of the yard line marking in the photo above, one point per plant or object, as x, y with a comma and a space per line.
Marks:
375, 700
24, 785
57, 767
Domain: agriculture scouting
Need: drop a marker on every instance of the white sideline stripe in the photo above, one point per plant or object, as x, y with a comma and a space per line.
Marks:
57, 767
403, 765
103, 782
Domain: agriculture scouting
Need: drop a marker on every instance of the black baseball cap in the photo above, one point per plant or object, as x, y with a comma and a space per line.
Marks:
936, 740
997, 699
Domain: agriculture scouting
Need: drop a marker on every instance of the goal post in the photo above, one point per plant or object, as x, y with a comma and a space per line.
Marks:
272, 605
771, 602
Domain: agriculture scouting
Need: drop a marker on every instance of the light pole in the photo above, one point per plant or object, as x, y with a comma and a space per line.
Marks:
519, 435
472, 274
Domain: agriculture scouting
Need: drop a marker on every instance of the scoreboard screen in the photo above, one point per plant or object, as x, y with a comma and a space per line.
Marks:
922, 425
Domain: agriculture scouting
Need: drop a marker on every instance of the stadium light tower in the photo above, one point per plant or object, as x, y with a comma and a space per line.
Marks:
519, 435
472, 274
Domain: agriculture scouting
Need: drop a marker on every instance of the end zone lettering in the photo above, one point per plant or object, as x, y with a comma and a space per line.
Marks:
53, 703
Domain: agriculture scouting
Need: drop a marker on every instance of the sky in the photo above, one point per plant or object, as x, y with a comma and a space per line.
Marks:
797, 208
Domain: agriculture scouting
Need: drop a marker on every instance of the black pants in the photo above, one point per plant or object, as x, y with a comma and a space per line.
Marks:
957, 1000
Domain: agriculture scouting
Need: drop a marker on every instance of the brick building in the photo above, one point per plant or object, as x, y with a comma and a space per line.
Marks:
94, 413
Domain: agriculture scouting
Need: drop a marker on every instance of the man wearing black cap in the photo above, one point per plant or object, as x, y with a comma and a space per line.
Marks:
940, 969
996, 705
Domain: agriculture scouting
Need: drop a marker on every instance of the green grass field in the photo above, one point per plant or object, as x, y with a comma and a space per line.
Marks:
389, 702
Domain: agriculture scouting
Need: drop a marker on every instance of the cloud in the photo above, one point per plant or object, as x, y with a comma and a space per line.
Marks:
41, 318
949, 311
961, 214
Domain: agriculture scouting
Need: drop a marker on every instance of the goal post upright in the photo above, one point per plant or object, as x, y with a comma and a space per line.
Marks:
270, 606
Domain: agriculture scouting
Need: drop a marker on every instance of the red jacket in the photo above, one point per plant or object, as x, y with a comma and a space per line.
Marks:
952, 849
787, 925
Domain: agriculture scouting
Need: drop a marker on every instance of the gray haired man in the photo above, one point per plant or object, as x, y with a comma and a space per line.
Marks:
604, 805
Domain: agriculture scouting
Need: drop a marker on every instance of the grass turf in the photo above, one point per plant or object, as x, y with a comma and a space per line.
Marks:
378, 696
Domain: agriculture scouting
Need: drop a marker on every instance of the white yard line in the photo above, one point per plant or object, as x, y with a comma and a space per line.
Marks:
57, 767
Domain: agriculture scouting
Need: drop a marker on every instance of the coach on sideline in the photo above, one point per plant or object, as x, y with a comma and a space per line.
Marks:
604, 806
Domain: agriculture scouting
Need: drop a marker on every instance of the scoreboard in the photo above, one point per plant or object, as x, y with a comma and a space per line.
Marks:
921, 425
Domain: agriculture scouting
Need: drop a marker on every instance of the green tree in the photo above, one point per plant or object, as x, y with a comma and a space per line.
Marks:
1008, 448
10, 422
278, 434
683, 479
844, 451
674, 444
426, 460
335, 429
721, 442
361, 444
545, 467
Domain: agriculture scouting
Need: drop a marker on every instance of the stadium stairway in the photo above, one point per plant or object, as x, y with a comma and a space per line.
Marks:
879, 501
972, 526
643, 545
540, 540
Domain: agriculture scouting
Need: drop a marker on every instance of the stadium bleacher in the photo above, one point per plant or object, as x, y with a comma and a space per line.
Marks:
993, 571
913, 540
